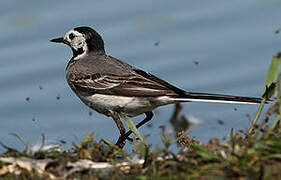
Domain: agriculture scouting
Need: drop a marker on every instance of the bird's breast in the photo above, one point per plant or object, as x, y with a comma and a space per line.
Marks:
130, 106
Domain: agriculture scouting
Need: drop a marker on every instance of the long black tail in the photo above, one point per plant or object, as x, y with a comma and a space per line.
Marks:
219, 98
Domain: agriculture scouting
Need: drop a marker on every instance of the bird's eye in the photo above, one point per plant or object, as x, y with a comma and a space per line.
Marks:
71, 36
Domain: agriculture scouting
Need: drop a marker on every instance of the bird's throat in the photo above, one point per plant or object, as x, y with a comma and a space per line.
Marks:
78, 53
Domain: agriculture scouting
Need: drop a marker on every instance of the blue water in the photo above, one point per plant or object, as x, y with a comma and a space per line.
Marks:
233, 43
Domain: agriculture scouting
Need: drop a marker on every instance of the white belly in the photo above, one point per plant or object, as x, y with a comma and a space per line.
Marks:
130, 106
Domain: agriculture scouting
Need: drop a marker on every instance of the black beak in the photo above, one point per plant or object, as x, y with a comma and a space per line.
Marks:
58, 40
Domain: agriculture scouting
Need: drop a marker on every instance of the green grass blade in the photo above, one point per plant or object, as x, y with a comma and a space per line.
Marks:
257, 115
109, 143
132, 126
278, 101
205, 153
87, 138
27, 148
269, 86
271, 76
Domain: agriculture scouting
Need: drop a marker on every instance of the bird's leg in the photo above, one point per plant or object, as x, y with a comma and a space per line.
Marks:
148, 117
115, 116
126, 135
120, 143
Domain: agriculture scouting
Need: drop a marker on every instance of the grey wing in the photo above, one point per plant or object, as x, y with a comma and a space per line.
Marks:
136, 83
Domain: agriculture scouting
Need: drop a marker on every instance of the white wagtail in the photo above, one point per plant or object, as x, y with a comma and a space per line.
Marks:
115, 88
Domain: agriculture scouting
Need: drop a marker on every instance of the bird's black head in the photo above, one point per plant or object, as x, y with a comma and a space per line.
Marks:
82, 40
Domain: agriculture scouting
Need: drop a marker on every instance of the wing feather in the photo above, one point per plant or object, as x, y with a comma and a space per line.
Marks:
131, 84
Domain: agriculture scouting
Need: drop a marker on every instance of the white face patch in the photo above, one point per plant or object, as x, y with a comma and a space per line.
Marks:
77, 41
